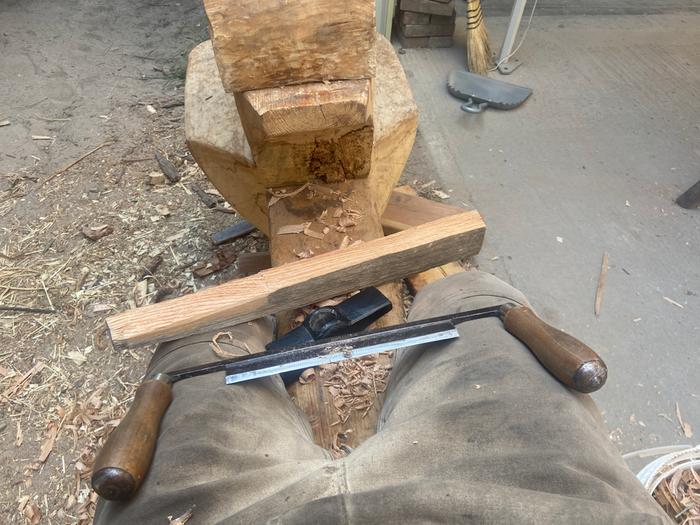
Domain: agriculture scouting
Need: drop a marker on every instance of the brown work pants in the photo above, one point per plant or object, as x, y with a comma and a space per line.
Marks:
472, 431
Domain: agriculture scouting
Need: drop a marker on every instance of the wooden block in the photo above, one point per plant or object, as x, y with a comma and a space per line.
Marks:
432, 7
420, 280
406, 210
424, 41
413, 30
316, 130
318, 207
408, 17
302, 282
216, 138
268, 43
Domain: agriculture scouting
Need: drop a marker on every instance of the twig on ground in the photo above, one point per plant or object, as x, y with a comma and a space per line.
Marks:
69, 166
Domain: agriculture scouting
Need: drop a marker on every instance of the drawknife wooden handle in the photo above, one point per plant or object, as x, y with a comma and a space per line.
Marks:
125, 459
568, 359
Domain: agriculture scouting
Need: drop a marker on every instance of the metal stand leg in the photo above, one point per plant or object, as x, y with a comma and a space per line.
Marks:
516, 16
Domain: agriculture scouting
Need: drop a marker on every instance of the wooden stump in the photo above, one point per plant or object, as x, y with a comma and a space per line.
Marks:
218, 142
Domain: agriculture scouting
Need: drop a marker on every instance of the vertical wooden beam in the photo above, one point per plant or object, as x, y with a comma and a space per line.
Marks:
330, 207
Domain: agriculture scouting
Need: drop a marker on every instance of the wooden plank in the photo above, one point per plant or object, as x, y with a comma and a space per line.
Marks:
302, 282
316, 130
268, 43
406, 209
418, 281
326, 207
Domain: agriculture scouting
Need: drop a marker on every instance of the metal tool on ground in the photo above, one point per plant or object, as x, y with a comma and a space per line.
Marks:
232, 232
482, 92
124, 460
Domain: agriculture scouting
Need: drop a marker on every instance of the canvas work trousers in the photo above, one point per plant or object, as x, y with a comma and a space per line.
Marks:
472, 430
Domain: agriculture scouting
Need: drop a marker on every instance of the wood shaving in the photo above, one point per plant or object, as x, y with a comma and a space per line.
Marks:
278, 195
307, 376
674, 303
679, 496
95, 233
304, 254
685, 426
344, 243
440, 194
291, 229
346, 222
313, 234
225, 354
181, 520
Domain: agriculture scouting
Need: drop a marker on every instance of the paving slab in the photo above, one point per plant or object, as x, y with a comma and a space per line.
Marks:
591, 163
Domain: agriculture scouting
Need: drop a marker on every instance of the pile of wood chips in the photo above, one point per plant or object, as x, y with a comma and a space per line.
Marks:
354, 386
679, 496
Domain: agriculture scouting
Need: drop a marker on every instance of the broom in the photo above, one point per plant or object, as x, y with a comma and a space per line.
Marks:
478, 50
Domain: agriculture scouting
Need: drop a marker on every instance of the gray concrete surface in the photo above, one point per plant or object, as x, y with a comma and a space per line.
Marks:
591, 7
594, 158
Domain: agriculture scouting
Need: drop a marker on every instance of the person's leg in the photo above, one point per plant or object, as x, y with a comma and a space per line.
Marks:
221, 448
476, 431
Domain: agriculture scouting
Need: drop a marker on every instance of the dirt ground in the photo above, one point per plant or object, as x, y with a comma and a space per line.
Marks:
76, 76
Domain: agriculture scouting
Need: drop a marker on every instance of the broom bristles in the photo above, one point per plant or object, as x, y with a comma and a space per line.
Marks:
478, 50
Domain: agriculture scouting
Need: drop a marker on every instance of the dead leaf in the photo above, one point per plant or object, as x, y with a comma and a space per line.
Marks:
95, 233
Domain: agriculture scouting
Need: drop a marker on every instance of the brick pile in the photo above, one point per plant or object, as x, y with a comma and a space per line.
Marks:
426, 23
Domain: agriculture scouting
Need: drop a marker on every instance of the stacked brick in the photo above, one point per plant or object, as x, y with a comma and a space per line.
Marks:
426, 23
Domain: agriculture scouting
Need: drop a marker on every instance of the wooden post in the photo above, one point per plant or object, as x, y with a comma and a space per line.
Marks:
268, 43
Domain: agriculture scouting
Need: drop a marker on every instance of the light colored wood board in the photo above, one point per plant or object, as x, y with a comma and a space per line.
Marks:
395, 123
302, 282
232, 170
405, 211
215, 137
308, 207
306, 111
420, 280
317, 130
268, 43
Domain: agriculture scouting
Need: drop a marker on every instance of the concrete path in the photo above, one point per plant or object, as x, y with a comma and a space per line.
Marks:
590, 164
